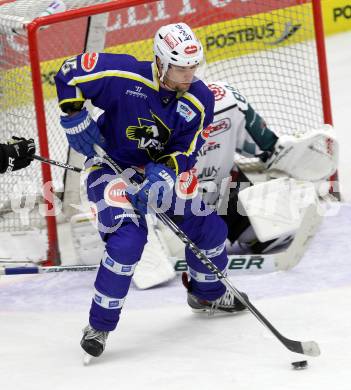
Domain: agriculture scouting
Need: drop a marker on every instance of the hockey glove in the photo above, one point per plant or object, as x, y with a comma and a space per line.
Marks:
82, 132
311, 156
16, 154
158, 183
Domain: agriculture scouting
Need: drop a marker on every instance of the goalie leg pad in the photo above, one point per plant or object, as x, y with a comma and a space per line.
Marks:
154, 267
275, 208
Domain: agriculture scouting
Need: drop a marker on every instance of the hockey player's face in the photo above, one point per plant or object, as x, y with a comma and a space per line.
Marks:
179, 78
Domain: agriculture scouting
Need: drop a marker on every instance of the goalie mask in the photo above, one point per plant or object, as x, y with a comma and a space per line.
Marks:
180, 54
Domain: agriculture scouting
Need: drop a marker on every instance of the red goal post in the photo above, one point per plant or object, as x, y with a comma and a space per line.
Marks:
272, 50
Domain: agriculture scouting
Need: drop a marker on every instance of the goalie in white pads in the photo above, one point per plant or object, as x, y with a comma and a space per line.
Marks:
275, 207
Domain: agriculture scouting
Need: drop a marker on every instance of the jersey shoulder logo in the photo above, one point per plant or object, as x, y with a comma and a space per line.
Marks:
88, 61
151, 135
185, 111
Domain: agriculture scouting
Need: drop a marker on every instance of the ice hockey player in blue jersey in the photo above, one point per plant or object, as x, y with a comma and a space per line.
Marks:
154, 116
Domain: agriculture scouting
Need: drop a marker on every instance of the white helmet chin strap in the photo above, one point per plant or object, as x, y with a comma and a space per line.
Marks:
164, 70
164, 67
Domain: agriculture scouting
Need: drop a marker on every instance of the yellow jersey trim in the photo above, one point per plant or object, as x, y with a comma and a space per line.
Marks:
175, 162
196, 102
71, 100
153, 84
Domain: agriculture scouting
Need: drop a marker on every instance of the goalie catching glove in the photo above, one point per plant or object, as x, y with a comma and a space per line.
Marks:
158, 183
16, 154
312, 156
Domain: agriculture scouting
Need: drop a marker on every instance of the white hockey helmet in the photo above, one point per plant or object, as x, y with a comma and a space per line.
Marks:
177, 44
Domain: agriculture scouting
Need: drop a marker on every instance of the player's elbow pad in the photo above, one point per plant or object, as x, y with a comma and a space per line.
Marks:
82, 132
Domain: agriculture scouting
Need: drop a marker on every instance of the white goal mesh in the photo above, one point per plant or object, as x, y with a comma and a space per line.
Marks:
267, 49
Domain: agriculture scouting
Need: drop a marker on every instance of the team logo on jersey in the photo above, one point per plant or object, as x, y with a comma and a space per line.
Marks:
151, 135
185, 111
215, 128
115, 194
186, 186
190, 49
171, 40
88, 61
217, 91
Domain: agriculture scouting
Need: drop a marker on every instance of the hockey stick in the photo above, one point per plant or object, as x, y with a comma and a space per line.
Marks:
8, 270
56, 163
310, 348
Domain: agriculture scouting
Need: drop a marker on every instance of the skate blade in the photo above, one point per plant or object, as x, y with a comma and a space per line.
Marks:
87, 359
217, 312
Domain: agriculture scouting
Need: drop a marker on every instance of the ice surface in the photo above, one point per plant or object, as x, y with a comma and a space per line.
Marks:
160, 344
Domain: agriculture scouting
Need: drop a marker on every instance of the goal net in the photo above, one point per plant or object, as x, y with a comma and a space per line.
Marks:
272, 51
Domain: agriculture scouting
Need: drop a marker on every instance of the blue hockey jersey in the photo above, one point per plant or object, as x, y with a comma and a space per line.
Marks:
142, 122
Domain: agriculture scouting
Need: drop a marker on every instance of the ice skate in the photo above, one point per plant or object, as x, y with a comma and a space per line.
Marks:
93, 342
227, 303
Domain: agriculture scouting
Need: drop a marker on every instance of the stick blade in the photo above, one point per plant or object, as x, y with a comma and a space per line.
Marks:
87, 359
310, 348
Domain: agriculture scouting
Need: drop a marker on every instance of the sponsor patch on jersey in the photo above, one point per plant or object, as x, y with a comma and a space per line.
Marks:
187, 186
215, 128
115, 194
208, 173
190, 49
205, 133
209, 147
218, 91
171, 41
88, 61
185, 111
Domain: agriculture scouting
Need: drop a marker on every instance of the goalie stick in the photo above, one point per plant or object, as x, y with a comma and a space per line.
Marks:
24, 270
239, 263
310, 348
258, 263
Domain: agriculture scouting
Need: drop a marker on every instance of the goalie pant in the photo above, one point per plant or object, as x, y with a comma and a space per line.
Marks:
125, 233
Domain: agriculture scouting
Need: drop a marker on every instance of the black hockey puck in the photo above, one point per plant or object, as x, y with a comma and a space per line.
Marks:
299, 365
